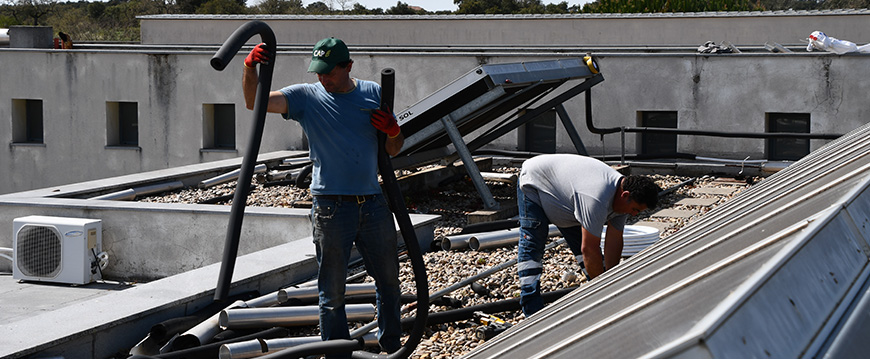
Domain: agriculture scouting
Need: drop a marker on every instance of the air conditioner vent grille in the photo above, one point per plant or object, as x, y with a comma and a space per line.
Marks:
39, 251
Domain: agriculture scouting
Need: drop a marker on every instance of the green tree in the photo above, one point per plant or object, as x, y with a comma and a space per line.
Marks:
404, 9
318, 8
560, 8
221, 7
647, 6
30, 11
278, 7
362, 10
96, 9
487, 6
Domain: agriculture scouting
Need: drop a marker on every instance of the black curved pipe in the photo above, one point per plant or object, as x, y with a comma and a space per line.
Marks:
397, 205
335, 346
466, 313
220, 60
676, 131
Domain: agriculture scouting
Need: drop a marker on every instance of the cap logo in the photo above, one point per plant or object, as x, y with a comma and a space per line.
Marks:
321, 53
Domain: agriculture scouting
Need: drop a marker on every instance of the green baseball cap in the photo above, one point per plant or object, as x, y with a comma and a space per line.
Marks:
328, 53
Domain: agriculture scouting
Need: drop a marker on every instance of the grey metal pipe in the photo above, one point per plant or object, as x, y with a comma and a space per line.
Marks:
266, 300
304, 293
255, 348
203, 332
131, 193
456, 242
499, 177
229, 176
481, 241
246, 318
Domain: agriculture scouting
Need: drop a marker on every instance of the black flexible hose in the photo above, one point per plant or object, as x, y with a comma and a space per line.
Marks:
397, 205
466, 313
220, 60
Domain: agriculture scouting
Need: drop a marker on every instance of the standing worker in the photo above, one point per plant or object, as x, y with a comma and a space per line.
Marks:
341, 117
579, 195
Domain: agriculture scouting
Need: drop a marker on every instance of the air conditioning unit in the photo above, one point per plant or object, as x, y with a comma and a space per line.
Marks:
56, 249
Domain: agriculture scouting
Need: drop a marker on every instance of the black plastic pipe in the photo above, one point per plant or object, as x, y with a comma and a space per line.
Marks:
220, 60
676, 131
455, 315
397, 204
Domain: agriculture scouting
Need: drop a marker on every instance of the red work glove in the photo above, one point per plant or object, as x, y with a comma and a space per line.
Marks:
258, 55
385, 122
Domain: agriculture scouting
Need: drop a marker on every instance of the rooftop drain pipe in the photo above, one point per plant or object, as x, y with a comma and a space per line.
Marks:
675, 131
220, 60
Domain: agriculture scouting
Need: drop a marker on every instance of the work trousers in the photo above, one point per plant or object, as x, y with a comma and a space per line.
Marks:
534, 230
338, 224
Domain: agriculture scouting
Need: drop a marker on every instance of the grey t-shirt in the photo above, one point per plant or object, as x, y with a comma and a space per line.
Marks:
572, 190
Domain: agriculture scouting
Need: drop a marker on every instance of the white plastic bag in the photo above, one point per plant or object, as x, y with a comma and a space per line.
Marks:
819, 41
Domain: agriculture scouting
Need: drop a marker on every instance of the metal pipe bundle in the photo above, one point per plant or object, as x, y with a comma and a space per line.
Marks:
245, 318
309, 293
456, 242
255, 348
203, 332
497, 239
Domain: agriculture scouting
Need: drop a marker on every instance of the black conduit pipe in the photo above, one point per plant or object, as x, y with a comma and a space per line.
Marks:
397, 205
455, 315
675, 131
220, 60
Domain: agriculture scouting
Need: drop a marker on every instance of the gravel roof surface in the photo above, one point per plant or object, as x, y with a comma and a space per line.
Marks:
454, 201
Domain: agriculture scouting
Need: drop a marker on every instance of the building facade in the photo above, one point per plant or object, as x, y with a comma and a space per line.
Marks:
103, 110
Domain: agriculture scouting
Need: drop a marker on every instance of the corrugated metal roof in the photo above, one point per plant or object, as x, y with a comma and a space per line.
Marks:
775, 272
513, 16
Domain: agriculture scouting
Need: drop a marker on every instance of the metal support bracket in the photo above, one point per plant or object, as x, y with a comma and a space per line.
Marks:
571, 130
468, 161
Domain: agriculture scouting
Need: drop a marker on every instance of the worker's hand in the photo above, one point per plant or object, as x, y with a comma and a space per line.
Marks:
258, 55
385, 122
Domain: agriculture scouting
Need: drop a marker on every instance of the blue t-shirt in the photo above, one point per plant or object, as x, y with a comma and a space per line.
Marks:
342, 141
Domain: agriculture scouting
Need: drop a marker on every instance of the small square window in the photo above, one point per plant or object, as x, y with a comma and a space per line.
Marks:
790, 149
27, 121
539, 134
122, 124
658, 143
219, 126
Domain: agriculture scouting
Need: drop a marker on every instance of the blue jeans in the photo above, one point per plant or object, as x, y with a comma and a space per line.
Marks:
534, 229
338, 225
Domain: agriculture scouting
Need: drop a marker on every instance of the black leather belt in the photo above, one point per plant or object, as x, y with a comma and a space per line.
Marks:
346, 197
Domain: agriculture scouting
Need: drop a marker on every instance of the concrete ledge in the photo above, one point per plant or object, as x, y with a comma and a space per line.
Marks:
136, 234
115, 321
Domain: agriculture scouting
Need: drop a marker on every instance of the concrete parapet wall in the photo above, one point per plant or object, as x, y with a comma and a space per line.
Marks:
148, 241
745, 27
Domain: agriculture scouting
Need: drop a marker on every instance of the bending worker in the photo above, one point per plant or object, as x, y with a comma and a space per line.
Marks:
341, 117
579, 195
